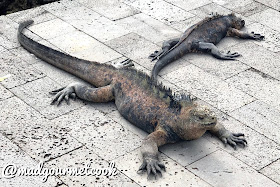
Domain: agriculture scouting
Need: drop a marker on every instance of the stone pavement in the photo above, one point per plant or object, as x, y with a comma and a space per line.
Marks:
244, 93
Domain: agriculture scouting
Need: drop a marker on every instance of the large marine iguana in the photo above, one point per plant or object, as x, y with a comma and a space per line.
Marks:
138, 98
202, 37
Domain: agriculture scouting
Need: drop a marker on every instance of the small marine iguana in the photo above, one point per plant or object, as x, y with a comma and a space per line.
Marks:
202, 37
138, 98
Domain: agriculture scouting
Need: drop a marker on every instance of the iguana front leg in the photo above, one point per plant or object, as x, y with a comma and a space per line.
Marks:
102, 94
244, 35
149, 150
123, 64
210, 47
228, 137
165, 47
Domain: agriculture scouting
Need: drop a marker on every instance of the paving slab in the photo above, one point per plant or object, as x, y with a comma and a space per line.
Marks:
83, 46
33, 133
259, 58
222, 169
249, 9
18, 70
272, 171
148, 28
258, 85
8, 32
187, 152
4, 93
175, 174
112, 9
260, 150
268, 17
208, 9
109, 140
36, 94
261, 117
272, 37
82, 157
209, 88
134, 47
189, 5
10, 154
160, 10
271, 3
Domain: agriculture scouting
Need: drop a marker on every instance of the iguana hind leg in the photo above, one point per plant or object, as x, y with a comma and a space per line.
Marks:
166, 45
244, 35
102, 94
210, 47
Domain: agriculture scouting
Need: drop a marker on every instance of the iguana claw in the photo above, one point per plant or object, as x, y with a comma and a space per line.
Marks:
123, 64
233, 139
256, 36
153, 167
63, 93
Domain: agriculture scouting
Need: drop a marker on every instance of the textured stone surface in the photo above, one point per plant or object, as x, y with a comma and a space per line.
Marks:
36, 94
222, 169
272, 171
189, 5
112, 9
82, 157
4, 93
175, 174
160, 10
10, 154
148, 28
208, 9
216, 92
271, 3
258, 85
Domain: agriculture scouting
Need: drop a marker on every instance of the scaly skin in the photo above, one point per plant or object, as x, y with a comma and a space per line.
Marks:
202, 37
138, 98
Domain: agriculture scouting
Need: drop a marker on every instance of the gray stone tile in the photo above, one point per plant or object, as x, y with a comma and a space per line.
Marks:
10, 154
209, 88
258, 85
8, 37
4, 93
117, 117
259, 147
268, 17
232, 5
249, 9
182, 62
220, 68
272, 37
271, 3
175, 174
51, 29
83, 46
259, 58
112, 9
160, 10
222, 169
185, 24
208, 9
109, 140
272, 171
187, 152
88, 21
134, 47
26, 56
189, 5
20, 72
33, 133
36, 94
37, 14
260, 117
148, 28
81, 158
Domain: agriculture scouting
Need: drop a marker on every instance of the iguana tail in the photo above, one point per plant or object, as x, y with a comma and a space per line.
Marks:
171, 56
93, 72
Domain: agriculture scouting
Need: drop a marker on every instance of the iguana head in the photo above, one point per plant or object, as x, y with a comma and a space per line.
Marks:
236, 22
202, 116
194, 121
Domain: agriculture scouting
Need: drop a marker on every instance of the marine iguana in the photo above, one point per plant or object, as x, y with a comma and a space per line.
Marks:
146, 104
202, 37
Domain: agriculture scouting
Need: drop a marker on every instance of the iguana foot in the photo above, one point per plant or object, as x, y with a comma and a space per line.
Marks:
226, 56
155, 55
63, 94
123, 64
233, 139
254, 36
153, 167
